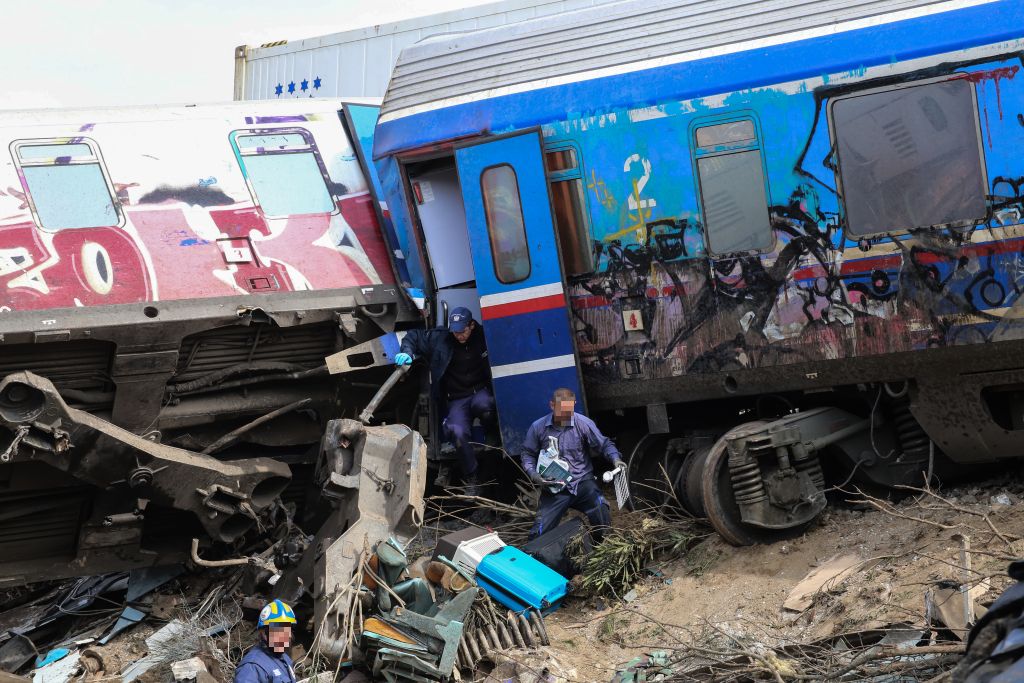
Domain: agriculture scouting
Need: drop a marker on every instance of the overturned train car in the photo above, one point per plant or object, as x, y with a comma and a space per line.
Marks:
787, 238
171, 282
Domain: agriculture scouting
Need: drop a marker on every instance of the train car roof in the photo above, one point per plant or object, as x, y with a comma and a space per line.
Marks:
169, 112
635, 35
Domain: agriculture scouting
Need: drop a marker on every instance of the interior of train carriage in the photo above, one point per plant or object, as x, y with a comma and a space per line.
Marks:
502, 221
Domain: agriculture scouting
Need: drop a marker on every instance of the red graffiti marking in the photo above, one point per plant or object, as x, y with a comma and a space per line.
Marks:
994, 75
86, 266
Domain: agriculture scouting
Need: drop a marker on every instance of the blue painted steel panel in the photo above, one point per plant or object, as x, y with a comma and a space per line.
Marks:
364, 120
528, 336
843, 52
523, 154
524, 398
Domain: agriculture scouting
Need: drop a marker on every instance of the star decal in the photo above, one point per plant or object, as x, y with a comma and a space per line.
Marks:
316, 83
278, 89
304, 86
291, 87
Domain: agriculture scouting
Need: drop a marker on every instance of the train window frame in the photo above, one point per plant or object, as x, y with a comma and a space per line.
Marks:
755, 144
309, 146
575, 173
490, 232
93, 158
834, 142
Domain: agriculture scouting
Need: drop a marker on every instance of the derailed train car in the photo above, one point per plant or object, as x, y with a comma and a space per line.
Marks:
787, 238
171, 282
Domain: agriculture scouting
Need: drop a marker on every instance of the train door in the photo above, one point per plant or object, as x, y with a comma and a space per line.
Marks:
522, 300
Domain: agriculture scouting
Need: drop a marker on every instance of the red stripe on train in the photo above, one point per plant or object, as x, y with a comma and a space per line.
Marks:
541, 303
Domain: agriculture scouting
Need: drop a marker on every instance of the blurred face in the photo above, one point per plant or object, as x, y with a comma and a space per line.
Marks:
279, 638
562, 409
463, 337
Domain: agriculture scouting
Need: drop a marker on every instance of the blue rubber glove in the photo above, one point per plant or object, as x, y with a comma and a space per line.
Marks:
403, 359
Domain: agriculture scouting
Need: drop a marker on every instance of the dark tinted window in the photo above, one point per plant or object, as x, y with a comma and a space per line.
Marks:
560, 160
734, 201
505, 227
571, 226
568, 203
910, 157
735, 207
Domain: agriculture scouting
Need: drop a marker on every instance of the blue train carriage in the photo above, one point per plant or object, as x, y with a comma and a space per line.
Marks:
783, 242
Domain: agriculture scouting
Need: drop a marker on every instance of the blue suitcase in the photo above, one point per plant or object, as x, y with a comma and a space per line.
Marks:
520, 582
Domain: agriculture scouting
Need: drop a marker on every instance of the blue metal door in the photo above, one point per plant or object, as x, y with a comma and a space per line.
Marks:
518, 278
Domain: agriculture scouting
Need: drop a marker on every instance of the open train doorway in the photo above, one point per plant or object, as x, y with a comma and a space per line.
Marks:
488, 233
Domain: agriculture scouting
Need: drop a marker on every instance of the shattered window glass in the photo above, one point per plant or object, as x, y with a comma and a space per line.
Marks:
67, 186
910, 157
505, 226
285, 176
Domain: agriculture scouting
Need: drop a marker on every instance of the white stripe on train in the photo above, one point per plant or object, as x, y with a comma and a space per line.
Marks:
521, 294
539, 365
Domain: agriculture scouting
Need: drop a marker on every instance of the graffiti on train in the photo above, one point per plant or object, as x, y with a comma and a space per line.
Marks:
662, 301
169, 210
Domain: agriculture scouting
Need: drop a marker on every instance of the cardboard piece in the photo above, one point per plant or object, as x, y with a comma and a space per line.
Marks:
825, 577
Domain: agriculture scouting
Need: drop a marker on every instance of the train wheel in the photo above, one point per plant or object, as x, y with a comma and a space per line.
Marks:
646, 467
691, 491
719, 503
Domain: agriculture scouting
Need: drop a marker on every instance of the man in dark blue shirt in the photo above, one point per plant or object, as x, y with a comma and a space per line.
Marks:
460, 375
268, 661
577, 436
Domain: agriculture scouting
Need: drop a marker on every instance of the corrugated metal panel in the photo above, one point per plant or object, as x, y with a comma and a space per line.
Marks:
605, 37
212, 350
358, 63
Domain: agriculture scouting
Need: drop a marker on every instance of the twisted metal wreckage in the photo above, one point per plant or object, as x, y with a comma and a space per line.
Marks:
372, 478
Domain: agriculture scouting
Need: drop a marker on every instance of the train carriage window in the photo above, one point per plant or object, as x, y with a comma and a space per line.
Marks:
284, 171
506, 229
66, 184
910, 157
734, 198
568, 201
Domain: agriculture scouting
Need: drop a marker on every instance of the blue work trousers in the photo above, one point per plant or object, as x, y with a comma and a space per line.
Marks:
459, 424
587, 499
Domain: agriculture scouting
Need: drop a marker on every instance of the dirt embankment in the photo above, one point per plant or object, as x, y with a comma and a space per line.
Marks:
735, 596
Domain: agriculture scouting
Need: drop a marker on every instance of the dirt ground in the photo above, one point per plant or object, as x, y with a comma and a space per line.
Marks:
905, 549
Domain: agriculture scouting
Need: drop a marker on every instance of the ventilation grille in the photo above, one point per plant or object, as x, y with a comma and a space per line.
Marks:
40, 525
82, 365
213, 350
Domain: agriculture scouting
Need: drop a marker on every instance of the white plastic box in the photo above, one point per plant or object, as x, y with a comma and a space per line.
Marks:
469, 553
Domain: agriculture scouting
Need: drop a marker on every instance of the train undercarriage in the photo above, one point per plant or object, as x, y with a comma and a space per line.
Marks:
761, 468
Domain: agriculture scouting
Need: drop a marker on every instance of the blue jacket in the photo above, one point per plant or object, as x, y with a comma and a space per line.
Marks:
261, 665
575, 443
436, 347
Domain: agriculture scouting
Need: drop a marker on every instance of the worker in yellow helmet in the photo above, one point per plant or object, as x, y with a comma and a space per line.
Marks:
268, 661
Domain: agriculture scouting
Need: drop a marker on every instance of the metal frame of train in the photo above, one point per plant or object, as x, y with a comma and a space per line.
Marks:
785, 238
172, 280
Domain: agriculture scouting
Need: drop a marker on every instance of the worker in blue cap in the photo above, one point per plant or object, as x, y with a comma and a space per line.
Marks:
268, 661
460, 375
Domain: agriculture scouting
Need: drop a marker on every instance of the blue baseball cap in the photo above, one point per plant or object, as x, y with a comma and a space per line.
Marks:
459, 319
